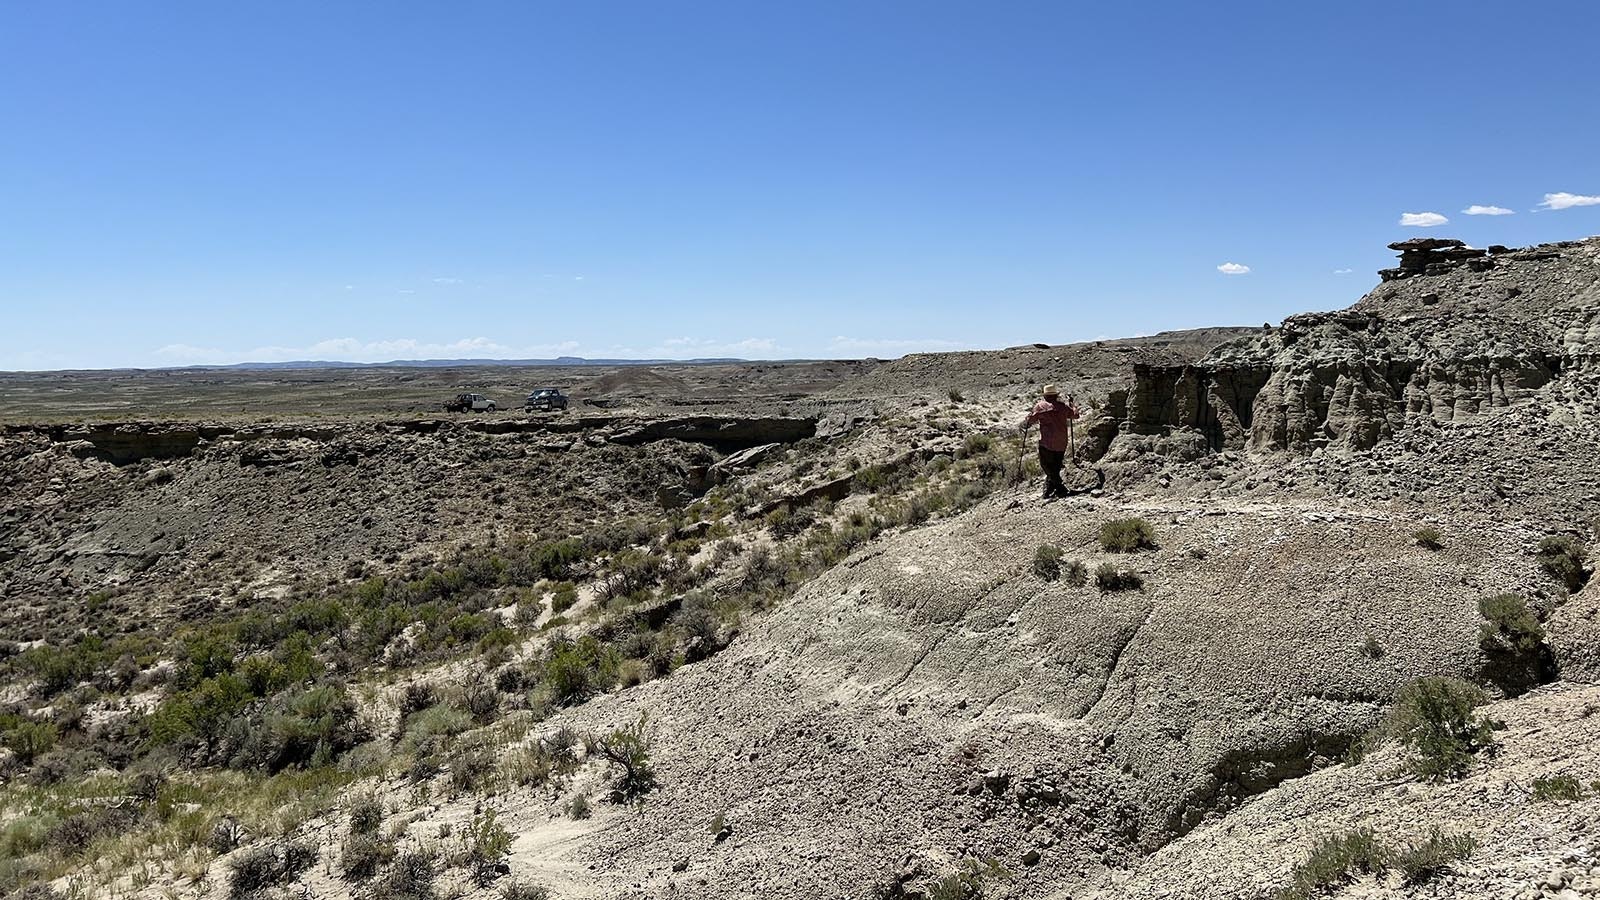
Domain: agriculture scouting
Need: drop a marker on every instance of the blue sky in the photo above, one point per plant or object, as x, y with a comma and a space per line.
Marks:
216, 182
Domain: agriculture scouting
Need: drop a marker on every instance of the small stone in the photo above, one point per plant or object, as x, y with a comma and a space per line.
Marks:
996, 781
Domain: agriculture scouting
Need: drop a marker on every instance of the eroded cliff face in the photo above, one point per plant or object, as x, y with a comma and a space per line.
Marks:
1446, 344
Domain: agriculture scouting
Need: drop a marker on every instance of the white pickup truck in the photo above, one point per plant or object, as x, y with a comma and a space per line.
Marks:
469, 403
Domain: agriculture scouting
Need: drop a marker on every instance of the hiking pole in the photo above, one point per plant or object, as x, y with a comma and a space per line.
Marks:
1072, 431
1022, 452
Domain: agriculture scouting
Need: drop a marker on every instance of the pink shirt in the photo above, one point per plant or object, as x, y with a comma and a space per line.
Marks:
1052, 417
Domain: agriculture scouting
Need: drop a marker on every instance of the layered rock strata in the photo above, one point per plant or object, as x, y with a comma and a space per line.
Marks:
1448, 347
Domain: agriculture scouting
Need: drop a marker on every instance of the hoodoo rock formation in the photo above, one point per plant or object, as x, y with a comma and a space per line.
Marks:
1435, 256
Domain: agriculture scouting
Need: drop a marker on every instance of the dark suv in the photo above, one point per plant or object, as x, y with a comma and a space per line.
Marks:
546, 399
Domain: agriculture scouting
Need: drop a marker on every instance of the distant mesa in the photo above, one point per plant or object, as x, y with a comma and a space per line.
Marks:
450, 363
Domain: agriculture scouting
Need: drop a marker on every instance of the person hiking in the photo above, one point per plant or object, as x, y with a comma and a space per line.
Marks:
1054, 419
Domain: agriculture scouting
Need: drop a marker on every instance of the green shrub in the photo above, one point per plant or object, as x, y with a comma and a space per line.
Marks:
632, 571
72, 835
480, 697
441, 720
1421, 862
574, 671
578, 807
786, 523
270, 866
557, 560
1340, 859
209, 655
1127, 536
700, 626
488, 844
955, 395
416, 697
57, 668
1075, 573
966, 883
516, 890
1562, 558
470, 768
263, 674
1108, 577
202, 712
364, 855
1435, 719
307, 728
30, 740
1047, 562
410, 878
1509, 626
563, 597
1427, 537
1372, 649
628, 748
1557, 787
1336, 860
24, 836
365, 814
976, 445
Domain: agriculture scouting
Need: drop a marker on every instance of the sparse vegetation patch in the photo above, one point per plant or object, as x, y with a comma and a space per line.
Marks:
1509, 625
1047, 562
627, 748
1110, 577
1436, 720
1338, 859
1127, 536
1557, 787
1563, 559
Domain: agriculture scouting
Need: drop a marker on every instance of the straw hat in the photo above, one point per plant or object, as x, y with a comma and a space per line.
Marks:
1050, 391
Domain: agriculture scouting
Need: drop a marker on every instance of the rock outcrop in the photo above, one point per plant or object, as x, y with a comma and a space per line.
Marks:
122, 443
722, 432
1435, 256
1446, 347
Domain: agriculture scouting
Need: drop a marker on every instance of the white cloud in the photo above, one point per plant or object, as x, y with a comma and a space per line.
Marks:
447, 281
1477, 210
1343, 271
1422, 219
1565, 200
406, 291
703, 348
350, 349
355, 350
886, 347
1233, 268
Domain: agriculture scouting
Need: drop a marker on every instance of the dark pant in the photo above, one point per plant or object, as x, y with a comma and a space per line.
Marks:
1051, 461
